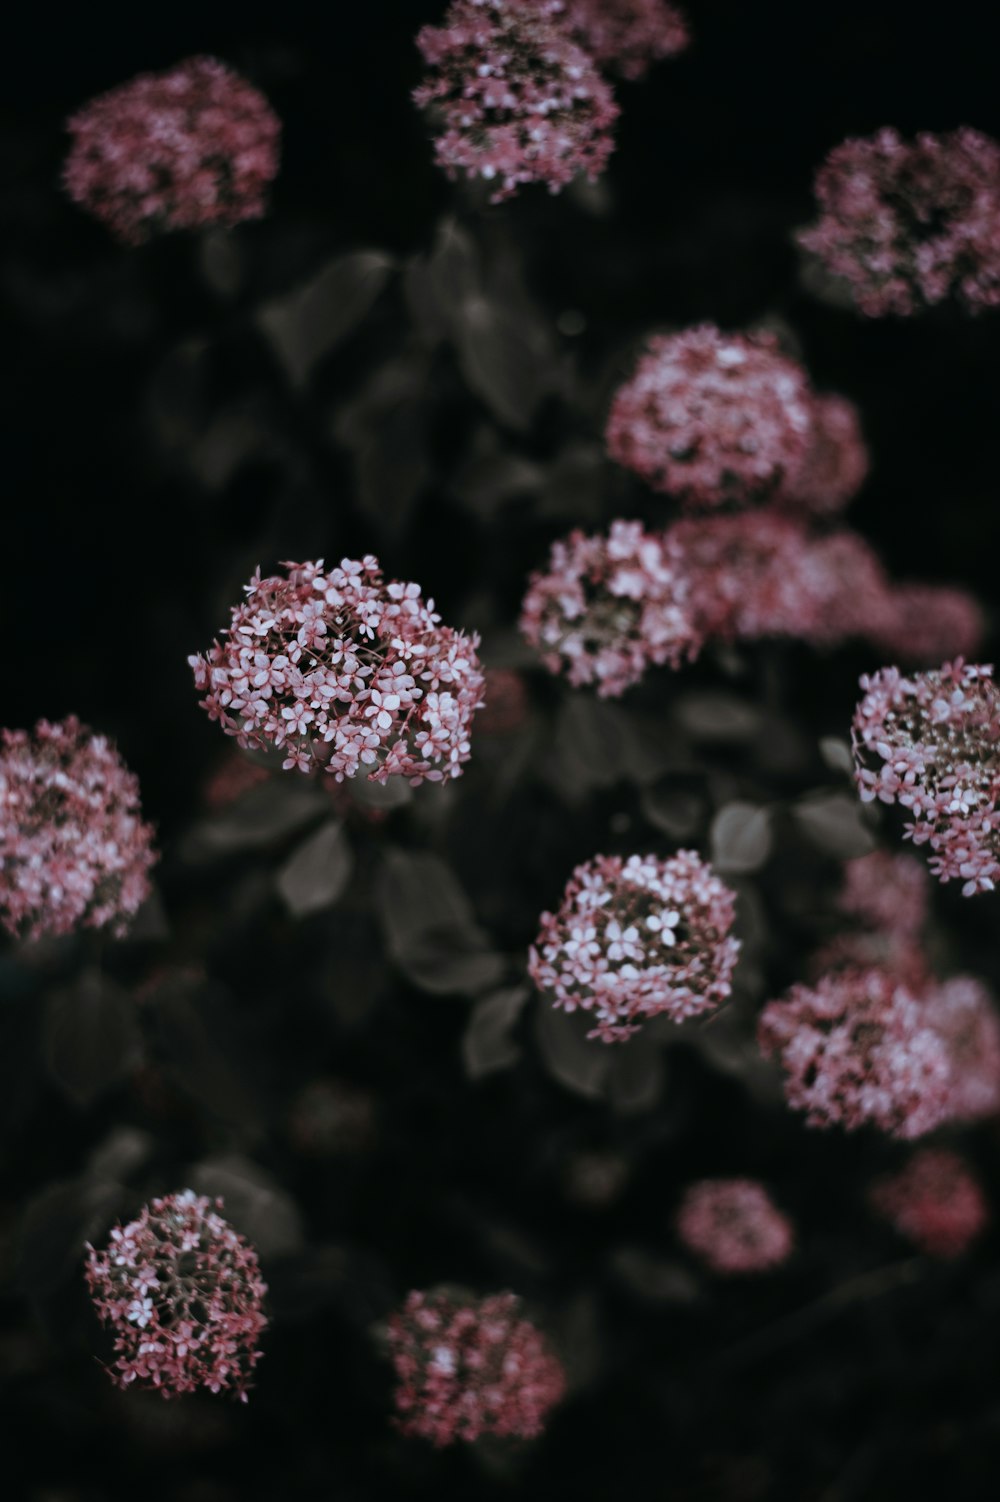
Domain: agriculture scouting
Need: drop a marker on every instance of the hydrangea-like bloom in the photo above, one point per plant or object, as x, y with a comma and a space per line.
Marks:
847, 586
886, 891
469, 1367
182, 1292
734, 1226
929, 623
191, 147
713, 418
343, 670
627, 36
74, 851
608, 607
636, 939
930, 743
518, 101
963, 1014
935, 1202
836, 465
909, 223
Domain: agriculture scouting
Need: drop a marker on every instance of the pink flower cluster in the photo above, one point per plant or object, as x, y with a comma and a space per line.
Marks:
470, 1367
626, 36
635, 939
885, 899
191, 147
935, 1202
74, 851
734, 1226
182, 1292
863, 1047
340, 669
931, 743
836, 465
928, 623
906, 224
608, 607
516, 100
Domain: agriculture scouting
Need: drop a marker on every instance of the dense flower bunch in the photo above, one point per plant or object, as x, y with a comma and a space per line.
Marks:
929, 623
517, 100
635, 939
608, 607
935, 1202
182, 1292
930, 743
74, 851
713, 418
734, 1226
191, 147
909, 223
836, 465
847, 588
627, 36
342, 670
470, 1367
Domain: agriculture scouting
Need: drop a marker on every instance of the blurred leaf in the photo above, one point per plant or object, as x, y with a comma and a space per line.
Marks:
487, 1045
575, 484
316, 875
713, 716
503, 354
121, 1153
837, 754
91, 1036
150, 924
597, 744
305, 325
55, 1228
581, 1064
740, 837
430, 927
435, 285
833, 822
637, 1074
386, 427
263, 816
676, 811
490, 475
252, 1201
189, 1055
653, 1278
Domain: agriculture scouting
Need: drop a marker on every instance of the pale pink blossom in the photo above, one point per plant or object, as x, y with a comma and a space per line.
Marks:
734, 1226
935, 1202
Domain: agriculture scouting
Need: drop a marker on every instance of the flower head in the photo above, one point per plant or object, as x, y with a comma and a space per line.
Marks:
929, 623
191, 147
74, 852
734, 1226
182, 1292
935, 1202
962, 1012
836, 465
636, 939
470, 1367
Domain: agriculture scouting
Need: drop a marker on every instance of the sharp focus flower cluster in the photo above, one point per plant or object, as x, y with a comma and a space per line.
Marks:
734, 1226
74, 851
470, 1367
516, 99
935, 1202
906, 224
929, 742
182, 1292
191, 147
635, 939
340, 669
626, 36
608, 607
929, 623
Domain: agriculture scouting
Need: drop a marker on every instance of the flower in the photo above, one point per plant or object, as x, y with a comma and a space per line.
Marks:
886, 892
906, 224
836, 465
608, 607
74, 852
182, 1292
713, 418
929, 623
343, 670
467, 1367
626, 36
963, 1014
934, 1201
191, 147
516, 100
635, 939
930, 743
734, 1226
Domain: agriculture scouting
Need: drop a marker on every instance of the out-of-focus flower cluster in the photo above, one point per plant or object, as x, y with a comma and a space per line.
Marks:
470, 1367
74, 851
514, 98
928, 623
733, 1226
935, 1202
608, 607
182, 1293
929, 742
885, 899
191, 147
906, 224
344, 671
635, 939
625, 36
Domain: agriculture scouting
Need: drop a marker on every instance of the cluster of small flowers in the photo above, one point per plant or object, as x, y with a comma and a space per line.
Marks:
836, 465
342, 670
516, 99
73, 848
885, 899
182, 1292
906, 224
733, 1226
191, 147
469, 1367
935, 1202
930, 743
928, 623
863, 1047
625, 36
608, 607
635, 939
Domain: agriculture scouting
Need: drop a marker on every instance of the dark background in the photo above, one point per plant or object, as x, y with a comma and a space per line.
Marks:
855, 1373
